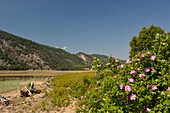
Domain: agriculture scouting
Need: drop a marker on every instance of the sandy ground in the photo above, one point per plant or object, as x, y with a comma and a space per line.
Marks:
19, 105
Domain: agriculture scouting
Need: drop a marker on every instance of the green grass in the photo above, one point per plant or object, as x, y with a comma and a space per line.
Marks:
8, 85
66, 85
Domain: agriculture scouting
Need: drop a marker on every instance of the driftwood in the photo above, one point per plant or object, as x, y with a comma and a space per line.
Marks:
28, 91
4, 100
25, 92
47, 82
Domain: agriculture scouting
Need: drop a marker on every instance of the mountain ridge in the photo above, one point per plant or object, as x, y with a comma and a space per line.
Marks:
17, 53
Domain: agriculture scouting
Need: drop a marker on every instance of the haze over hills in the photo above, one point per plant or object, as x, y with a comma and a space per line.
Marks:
17, 53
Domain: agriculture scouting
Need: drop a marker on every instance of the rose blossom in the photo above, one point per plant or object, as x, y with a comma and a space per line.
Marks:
138, 69
147, 69
132, 97
148, 110
154, 70
120, 66
130, 79
142, 75
121, 86
154, 88
128, 61
116, 60
114, 76
127, 88
169, 88
147, 85
153, 58
138, 59
148, 52
133, 72
143, 55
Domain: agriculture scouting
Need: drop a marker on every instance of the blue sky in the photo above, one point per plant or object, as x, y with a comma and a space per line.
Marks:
90, 26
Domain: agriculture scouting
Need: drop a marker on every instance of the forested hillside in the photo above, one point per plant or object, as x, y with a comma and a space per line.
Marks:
17, 53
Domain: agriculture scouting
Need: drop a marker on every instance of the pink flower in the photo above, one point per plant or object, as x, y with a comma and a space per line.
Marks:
120, 66
153, 58
169, 88
133, 72
147, 85
154, 88
138, 59
142, 75
154, 70
116, 60
114, 76
128, 61
121, 86
127, 88
113, 57
147, 69
130, 79
138, 69
132, 97
142, 55
148, 52
148, 110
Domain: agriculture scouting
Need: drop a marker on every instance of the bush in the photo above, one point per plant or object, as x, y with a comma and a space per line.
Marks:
142, 84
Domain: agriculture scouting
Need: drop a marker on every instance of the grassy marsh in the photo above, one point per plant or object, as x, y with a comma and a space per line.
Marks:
14, 84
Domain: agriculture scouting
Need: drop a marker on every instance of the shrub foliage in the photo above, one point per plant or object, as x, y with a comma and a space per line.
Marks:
142, 84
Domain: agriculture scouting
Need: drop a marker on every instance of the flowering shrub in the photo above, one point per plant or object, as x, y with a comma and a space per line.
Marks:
142, 84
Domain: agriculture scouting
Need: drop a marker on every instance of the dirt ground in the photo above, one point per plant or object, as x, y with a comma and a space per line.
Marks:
28, 104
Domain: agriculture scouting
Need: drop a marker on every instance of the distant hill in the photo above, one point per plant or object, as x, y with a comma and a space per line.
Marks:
17, 53
89, 58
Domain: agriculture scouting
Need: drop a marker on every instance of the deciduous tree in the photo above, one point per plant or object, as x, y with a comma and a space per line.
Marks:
144, 40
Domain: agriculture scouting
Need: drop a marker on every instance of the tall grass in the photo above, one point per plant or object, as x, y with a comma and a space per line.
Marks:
67, 85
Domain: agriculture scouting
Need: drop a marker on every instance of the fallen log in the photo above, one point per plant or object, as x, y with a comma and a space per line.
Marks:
25, 92
28, 91
5, 101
